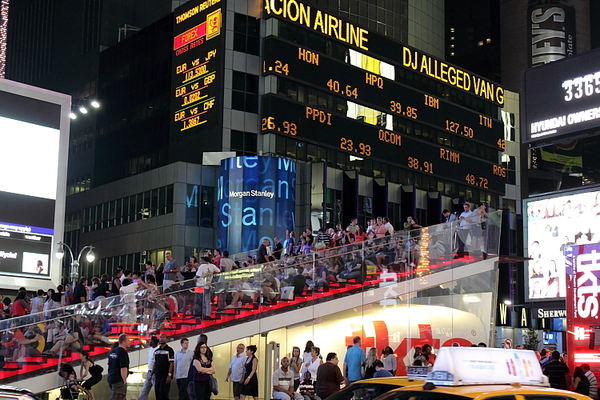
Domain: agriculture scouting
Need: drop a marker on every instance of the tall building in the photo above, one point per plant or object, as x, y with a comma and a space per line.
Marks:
131, 167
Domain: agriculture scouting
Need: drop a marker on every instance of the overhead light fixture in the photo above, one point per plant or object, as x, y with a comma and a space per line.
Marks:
95, 104
72, 115
90, 256
60, 252
83, 110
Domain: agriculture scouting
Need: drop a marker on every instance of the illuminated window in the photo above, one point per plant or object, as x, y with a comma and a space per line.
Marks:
488, 40
452, 30
452, 46
480, 43
451, 37
452, 54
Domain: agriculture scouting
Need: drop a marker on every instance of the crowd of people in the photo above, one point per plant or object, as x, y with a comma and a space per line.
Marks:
301, 375
582, 380
56, 322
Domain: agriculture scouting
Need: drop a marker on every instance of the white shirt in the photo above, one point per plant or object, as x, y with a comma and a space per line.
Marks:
203, 272
389, 228
37, 304
466, 222
389, 362
128, 292
226, 264
151, 357
312, 366
182, 363
237, 367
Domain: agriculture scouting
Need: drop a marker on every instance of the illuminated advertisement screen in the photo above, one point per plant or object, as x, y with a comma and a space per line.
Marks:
554, 224
562, 98
31, 193
197, 56
583, 304
256, 200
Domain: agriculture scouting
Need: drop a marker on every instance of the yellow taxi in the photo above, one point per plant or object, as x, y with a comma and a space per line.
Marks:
374, 387
475, 373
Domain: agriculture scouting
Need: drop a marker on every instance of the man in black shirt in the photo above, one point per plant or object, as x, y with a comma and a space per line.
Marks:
118, 369
556, 372
262, 254
277, 248
164, 357
79, 293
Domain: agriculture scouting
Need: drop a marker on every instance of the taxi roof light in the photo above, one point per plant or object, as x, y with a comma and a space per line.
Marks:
460, 366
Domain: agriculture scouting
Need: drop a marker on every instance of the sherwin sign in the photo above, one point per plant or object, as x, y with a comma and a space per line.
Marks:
256, 200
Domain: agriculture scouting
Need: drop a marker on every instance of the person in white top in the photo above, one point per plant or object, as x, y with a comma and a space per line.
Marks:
37, 304
183, 359
235, 374
283, 382
147, 386
204, 279
226, 263
388, 358
388, 226
312, 363
464, 228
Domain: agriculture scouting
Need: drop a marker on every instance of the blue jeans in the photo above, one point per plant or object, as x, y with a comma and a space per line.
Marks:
146, 387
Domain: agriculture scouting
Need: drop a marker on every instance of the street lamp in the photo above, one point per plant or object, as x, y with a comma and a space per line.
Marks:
90, 257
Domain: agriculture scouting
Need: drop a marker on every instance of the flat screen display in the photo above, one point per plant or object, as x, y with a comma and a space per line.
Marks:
554, 224
562, 98
32, 185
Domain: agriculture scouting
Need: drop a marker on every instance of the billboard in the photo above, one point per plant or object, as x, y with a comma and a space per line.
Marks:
34, 129
197, 77
552, 33
553, 224
562, 99
583, 304
256, 200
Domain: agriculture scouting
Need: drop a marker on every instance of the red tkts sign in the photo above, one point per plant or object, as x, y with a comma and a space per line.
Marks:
583, 305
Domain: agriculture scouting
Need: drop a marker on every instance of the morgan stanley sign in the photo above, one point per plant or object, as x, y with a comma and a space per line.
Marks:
256, 201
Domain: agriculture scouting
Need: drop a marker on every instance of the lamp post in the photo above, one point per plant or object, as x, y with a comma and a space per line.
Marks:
90, 257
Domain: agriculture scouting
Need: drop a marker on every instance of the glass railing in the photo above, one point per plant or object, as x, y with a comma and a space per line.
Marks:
192, 306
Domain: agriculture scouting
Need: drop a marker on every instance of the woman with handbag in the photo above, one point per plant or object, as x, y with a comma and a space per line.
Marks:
201, 371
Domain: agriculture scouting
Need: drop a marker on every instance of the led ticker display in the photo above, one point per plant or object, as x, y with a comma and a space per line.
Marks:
293, 62
197, 54
321, 127
562, 98
304, 14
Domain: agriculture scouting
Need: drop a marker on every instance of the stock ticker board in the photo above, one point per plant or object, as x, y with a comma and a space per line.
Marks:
371, 102
197, 54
